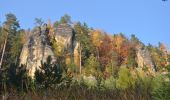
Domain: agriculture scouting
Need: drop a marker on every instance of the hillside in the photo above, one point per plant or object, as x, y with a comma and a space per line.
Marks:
67, 54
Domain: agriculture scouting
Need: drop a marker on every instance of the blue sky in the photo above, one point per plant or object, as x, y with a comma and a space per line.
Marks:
149, 20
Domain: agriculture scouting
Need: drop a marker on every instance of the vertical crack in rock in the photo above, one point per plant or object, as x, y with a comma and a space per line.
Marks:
36, 49
65, 36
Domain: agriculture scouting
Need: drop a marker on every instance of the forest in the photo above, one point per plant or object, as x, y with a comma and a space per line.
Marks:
66, 60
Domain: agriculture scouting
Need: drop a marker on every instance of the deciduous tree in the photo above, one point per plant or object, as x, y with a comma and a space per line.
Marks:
96, 36
105, 51
121, 46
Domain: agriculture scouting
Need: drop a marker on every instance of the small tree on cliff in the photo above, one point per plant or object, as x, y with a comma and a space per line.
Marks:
65, 19
39, 21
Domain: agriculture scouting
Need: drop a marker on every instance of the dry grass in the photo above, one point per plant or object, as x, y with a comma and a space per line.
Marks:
78, 93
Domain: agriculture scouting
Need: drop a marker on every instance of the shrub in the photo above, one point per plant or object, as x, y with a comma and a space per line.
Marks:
92, 66
110, 83
90, 82
125, 79
163, 92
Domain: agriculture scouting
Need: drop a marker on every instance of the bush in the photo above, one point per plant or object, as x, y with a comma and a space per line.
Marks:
125, 79
110, 83
92, 66
90, 82
163, 92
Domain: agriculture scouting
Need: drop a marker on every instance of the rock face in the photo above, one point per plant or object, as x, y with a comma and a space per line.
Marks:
144, 58
65, 36
36, 49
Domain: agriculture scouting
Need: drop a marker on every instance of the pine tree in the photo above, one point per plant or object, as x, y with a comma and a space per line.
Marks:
66, 19
11, 43
49, 74
83, 38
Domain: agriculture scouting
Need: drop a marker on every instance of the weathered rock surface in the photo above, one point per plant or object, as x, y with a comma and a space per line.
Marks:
36, 49
144, 58
65, 36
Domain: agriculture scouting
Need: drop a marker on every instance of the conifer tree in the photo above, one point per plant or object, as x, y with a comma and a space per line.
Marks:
49, 74
11, 43
82, 36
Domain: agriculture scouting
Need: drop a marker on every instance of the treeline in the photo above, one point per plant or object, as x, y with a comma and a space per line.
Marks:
107, 67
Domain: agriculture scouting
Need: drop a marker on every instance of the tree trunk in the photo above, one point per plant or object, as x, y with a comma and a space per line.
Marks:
80, 57
97, 53
3, 51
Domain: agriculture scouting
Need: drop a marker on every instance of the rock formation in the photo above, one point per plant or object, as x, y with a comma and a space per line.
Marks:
144, 58
65, 36
36, 49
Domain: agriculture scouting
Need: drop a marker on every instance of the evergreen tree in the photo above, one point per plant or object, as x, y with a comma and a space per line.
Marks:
17, 77
49, 74
134, 40
131, 60
56, 23
39, 21
82, 36
66, 19
11, 42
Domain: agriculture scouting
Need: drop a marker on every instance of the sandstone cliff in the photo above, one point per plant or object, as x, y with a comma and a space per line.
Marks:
36, 49
144, 59
65, 36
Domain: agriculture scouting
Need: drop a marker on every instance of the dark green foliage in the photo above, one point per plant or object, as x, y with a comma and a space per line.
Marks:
11, 23
132, 58
134, 40
11, 32
65, 19
49, 74
17, 77
56, 23
83, 37
39, 22
2, 39
163, 93
14, 77
3, 81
